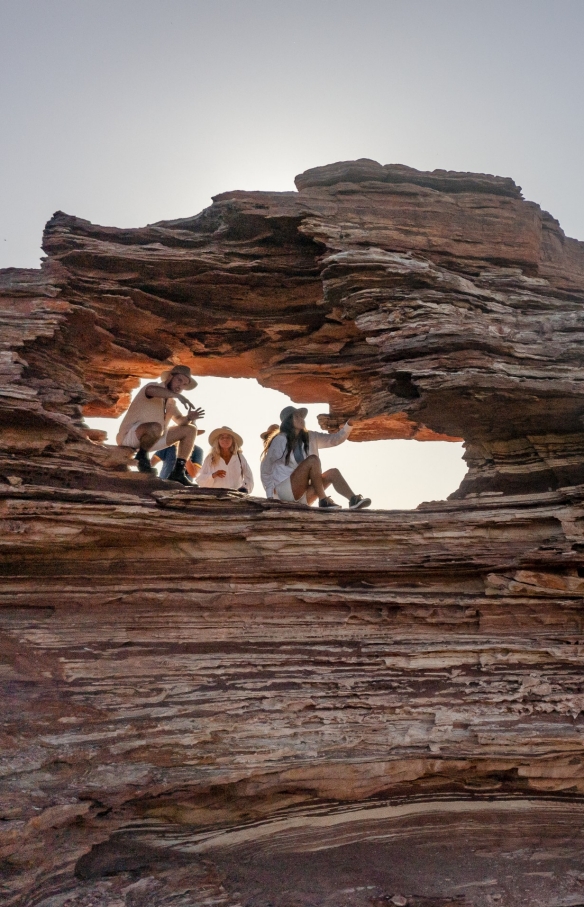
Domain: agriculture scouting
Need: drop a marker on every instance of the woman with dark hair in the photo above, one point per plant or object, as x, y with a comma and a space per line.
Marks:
291, 469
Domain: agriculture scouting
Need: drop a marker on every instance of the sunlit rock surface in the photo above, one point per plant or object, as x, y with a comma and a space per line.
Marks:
214, 700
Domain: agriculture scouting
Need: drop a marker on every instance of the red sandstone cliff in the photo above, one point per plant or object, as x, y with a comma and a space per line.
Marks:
216, 700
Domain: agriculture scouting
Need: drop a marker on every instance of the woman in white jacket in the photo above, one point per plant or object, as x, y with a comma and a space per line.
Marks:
291, 469
225, 466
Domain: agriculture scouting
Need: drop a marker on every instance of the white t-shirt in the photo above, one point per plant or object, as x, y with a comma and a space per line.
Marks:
238, 473
274, 468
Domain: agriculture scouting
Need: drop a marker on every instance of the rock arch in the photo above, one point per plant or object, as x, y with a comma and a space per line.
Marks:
424, 305
208, 698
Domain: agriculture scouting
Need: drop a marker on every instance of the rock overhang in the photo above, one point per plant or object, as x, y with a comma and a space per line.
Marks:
423, 305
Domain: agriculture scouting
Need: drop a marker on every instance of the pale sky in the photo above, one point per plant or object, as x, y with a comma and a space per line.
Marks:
396, 475
126, 112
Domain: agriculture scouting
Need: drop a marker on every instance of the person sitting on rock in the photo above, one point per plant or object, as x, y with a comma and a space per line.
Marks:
225, 466
146, 423
167, 456
291, 469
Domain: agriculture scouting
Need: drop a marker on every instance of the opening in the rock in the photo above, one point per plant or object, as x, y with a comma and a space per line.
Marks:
396, 475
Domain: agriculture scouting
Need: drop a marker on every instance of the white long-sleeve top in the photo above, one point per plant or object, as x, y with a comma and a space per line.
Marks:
274, 468
237, 473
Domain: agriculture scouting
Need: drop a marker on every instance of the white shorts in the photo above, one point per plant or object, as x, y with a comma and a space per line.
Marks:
130, 439
283, 492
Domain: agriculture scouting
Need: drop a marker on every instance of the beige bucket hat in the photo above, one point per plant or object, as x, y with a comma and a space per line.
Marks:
179, 370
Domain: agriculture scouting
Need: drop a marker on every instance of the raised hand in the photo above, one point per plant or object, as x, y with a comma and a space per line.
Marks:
195, 414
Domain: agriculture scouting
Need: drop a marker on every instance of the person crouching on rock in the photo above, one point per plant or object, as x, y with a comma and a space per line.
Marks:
225, 466
291, 469
146, 424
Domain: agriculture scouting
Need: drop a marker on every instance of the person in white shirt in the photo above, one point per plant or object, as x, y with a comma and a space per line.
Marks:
225, 466
291, 469
146, 425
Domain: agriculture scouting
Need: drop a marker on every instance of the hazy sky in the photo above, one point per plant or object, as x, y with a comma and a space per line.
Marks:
126, 112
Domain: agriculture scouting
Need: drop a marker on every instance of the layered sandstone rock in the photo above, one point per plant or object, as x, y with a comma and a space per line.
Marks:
218, 700
423, 305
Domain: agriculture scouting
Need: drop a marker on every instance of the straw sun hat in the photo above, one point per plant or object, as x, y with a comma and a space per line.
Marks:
224, 430
275, 427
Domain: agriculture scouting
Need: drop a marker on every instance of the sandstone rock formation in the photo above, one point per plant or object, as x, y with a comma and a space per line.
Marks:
218, 700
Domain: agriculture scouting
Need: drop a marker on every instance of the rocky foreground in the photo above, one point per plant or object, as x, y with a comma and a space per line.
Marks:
216, 700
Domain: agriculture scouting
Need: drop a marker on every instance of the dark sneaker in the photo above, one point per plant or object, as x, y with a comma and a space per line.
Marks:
328, 504
357, 502
178, 474
143, 462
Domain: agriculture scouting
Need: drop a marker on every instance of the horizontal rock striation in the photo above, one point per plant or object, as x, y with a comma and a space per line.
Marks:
426, 306
201, 672
195, 678
211, 699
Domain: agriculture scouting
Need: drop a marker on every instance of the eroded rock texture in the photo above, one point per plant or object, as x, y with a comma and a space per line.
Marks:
214, 700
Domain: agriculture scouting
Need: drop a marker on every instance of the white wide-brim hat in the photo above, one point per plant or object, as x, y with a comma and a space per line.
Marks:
179, 370
224, 430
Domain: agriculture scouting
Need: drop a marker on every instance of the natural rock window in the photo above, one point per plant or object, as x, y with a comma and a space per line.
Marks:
215, 699
378, 289
397, 475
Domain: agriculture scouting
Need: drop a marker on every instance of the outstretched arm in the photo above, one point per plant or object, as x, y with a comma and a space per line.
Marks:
159, 390
323, 439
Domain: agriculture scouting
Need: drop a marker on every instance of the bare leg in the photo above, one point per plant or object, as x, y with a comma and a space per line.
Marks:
308, 476
185, 435
312, 496
148, 434
334, 477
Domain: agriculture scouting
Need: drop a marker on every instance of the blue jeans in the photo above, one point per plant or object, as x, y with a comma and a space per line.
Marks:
168, 457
